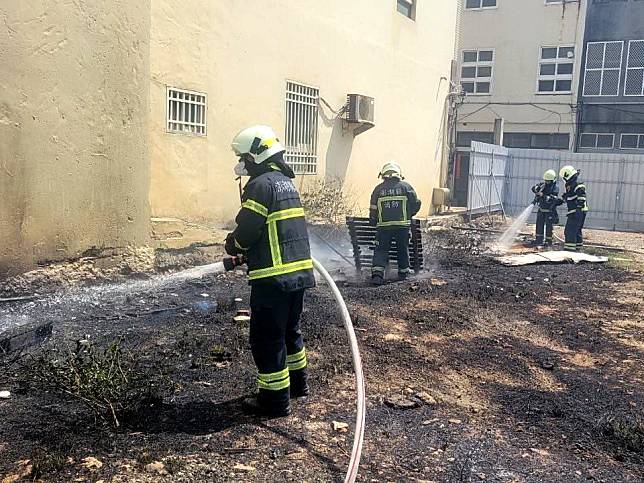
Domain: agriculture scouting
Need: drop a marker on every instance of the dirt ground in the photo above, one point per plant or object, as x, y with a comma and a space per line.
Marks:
523, 374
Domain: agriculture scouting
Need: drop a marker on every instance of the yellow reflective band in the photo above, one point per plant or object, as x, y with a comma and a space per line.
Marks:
585, 208
274, 381
297, 361
570, 198
297, 366
273, 376
580, 186
581, 198
281, 269
394, 223
255, 207
274, 386
297, 356
274, 243
285, 214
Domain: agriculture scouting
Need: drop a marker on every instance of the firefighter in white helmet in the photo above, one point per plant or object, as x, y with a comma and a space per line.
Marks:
575, 198
393, 204
271, 233
546, 197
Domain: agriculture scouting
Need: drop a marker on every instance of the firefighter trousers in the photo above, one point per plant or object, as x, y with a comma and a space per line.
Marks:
544, 228
384, 238
277, 345
574, 231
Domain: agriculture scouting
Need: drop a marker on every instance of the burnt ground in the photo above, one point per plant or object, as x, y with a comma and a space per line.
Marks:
535, 375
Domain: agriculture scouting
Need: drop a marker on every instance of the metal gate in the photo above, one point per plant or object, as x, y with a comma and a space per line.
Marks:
615, 183
487, 178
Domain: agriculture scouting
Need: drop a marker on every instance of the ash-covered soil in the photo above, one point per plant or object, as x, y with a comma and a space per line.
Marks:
528, 374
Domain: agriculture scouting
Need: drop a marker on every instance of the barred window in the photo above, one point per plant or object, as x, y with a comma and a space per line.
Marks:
302, 127
186, 112
603, 68
476, 71
634, 84
556, 66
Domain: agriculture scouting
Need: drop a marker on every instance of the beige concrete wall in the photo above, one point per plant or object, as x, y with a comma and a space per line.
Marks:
516, 30
242, 53
74, 100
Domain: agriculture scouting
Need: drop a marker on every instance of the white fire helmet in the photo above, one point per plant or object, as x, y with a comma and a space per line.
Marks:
258, 142
567, 172
390, 170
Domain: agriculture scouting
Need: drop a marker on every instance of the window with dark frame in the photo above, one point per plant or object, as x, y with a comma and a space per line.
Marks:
407, 8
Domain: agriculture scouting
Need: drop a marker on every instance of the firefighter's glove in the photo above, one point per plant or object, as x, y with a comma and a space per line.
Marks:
230, 246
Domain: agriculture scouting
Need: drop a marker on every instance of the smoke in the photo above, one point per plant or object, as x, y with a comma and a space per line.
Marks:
332, 248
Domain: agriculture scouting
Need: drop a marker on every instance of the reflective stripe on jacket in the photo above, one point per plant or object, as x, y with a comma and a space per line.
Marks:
271, 232
393, 203
575, 196
550, 191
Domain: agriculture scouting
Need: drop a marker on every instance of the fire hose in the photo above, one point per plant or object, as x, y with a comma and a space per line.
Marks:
354, 462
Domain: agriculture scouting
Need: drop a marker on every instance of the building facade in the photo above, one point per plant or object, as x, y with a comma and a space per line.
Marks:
516, 61
112, 111
74, 101
291, 65
611, 114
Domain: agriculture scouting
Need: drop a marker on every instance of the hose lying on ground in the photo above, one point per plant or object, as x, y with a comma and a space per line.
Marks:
354, 462
358, 438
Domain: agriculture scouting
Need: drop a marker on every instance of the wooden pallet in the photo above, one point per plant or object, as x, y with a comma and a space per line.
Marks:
363, 238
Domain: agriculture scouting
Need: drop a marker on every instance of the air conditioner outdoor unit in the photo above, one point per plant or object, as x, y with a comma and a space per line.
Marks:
360, 110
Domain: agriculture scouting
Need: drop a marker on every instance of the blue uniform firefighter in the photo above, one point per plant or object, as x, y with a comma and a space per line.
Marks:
271, 233
393, 203
575, 198
546, 197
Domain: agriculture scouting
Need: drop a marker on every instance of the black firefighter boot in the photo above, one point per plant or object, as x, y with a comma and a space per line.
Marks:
268, 404
299, 384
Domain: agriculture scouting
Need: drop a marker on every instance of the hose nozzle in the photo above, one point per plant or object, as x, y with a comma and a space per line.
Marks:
232, 263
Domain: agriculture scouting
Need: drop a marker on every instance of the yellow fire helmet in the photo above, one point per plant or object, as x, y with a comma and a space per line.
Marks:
391, 170
567, 172
550, 175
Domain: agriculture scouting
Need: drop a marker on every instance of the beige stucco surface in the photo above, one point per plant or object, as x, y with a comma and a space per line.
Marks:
516, 30
74, 169
242, 53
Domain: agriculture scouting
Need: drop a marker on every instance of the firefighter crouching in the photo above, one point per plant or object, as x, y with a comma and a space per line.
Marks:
575, 198
547, 199
393, 204
271, 233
